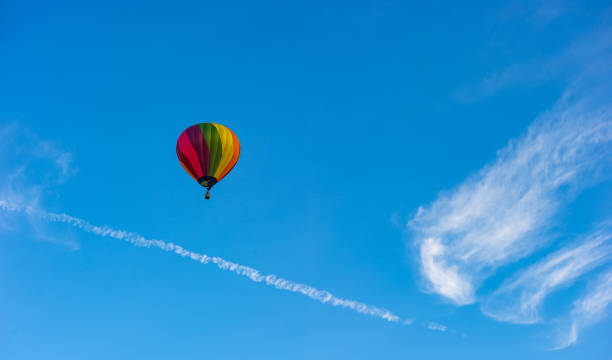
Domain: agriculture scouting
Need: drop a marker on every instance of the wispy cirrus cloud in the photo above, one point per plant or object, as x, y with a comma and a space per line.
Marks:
31, 168
30, 164
505, 211
587, 310
518, 299
500, 214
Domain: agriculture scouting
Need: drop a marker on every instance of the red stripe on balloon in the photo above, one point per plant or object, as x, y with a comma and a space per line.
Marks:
188, 155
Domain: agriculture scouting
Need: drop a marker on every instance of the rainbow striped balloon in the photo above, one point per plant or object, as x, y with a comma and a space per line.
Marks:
208, 152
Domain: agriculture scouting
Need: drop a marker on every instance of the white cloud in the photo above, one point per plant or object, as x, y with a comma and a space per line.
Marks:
30, 165
500, 214
588, 309
62, 159
505, 211
518, 299
436, 327
322, 296
444, 278
31, 168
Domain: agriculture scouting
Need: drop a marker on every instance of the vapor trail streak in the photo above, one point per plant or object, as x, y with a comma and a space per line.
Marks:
322, 296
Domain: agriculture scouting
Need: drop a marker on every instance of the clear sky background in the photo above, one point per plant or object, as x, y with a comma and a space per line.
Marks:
447, 161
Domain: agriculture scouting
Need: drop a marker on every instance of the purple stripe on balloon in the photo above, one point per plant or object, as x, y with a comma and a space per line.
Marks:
197, 140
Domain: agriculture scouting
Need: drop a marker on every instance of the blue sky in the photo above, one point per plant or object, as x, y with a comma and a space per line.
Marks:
446, 162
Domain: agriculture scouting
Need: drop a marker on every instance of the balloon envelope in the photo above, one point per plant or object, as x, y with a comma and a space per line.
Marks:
208, 152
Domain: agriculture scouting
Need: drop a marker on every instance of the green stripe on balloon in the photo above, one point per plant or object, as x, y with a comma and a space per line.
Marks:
214, 145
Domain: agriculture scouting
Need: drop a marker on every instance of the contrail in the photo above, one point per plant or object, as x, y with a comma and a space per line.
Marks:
323, 296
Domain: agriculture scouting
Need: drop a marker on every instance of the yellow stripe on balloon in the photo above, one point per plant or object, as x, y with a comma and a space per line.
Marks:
225, 136
235, 155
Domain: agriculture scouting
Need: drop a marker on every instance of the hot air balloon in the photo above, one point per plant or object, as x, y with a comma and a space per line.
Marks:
208, 152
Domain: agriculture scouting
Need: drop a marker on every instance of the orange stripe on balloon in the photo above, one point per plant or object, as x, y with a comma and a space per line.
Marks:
188, 172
